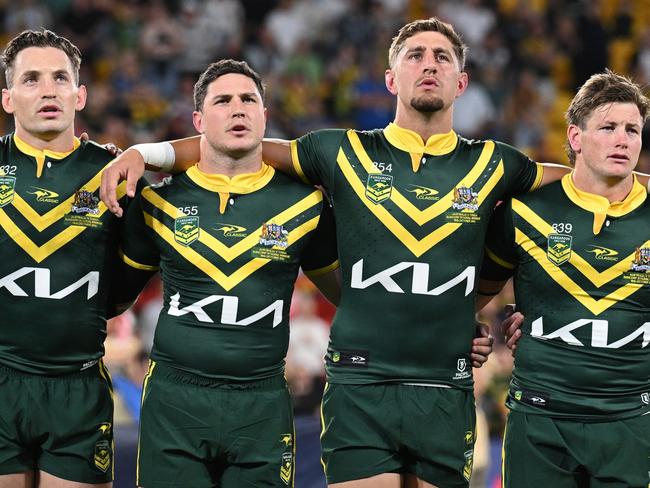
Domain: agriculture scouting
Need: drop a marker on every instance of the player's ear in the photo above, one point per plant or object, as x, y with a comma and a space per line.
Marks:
389, 78
574, 136
82, 96
197, 120
7, 104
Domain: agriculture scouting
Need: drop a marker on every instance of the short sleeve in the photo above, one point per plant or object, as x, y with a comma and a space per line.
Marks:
522, 173
499, 258
320, 254
314, 156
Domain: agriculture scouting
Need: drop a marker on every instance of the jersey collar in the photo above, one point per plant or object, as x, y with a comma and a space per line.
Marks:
600, 206
411, 142
224, 185
40, 155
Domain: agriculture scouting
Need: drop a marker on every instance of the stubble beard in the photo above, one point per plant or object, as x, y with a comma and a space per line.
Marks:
427, 104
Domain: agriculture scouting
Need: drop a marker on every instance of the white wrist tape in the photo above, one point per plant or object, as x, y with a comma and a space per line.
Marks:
160, 155
648, 185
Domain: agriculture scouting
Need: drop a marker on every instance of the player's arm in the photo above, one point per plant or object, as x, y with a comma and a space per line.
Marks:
329, 284
139, 255
173, 157
554, 172
319, 259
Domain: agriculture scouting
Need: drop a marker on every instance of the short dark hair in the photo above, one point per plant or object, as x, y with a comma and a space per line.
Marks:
432, 24
218, 69
603, 89
44, 38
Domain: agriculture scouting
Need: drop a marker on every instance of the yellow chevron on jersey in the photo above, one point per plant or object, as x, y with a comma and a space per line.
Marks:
598, 278
229, 253
561, 278
415, 245
40, 253
421, 217
227, 282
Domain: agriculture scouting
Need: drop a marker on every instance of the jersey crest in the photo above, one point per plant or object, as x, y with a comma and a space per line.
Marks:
7, 187
558, 248
379, 187
186, 230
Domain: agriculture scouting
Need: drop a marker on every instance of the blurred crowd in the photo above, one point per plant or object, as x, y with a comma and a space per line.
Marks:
323, 62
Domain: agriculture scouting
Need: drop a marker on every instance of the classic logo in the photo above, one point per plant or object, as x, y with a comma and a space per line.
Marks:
286, 469
558, 248
641, 263
43, 195
85, 203
350, 358
231, 230
186, 230
465, 199
274, 235
102, 455
7, 186
287, 439
379, 188
424, 193
603, 253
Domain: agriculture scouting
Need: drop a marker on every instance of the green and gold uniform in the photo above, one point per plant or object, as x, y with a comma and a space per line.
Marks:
215, 407
580, 391
411, 219
60, 247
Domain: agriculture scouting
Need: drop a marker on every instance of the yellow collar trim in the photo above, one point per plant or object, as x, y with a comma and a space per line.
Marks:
411, 142
40, 155
600, 206
224, 185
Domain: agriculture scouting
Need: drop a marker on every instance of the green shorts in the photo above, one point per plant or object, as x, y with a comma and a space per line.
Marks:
62, 425
199, 432
396, 428
545, 451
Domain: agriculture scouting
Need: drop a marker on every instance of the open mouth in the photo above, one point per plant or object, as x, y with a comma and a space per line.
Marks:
49, 110
239, 129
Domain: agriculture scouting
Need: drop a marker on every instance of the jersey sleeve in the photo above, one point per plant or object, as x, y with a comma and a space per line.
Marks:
522, 173
314, 156
320, 254
499, 258
138, 249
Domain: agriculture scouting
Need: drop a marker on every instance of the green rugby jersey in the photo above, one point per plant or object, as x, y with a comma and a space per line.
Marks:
59, 246
229, 251
582, 281
410, 220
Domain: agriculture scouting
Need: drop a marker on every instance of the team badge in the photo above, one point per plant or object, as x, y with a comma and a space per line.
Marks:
231, 230
273, 242
645, 398
286, 470
186, 230
102, 455
379, 187
465, 199
85, 203
424, 193
641, 263
43, 195
7, 187
274, 235
336, 357
462, 371
558, 248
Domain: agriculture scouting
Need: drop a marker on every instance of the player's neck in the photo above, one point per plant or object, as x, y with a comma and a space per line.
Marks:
228, 165
61, 142
424, 124
614, 189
